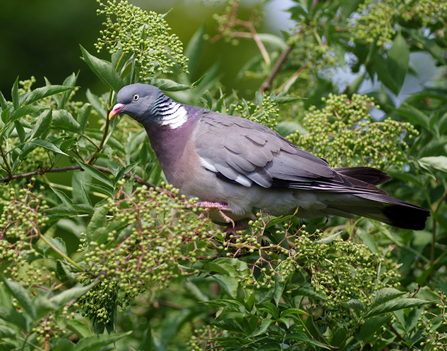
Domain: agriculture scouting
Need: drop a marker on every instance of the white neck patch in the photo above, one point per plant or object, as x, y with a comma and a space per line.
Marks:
174, 114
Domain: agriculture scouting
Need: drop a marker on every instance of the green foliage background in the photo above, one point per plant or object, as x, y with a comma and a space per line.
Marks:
97, 252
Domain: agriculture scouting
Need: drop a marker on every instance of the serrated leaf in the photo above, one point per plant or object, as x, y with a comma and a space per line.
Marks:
303, 337
392, 70
273, 40
104, 70
123, 171
23, 111
63, 197
368, 240
98, 221
147, 344
371, 326
230, 305
395, 305
414, 115
43, 92
78, 327
60, 300
83, 115
168, 85
43, 306
437, 162
6, 332
96, 104
96, 174
12, 316
230, 284
355, 304
230, 324
278, 290
22, 296
69, 82
20, 131
42, 124
96, 134
262, 328
329, 239
194, 49
15, 94
95, 342
100, 188
47, 145
293, 311
64, 120
306, 291
384, 295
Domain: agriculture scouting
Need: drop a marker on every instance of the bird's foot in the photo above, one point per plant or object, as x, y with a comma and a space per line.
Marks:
216, 206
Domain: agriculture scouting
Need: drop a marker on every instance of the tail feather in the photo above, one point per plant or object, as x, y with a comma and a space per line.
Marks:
385, 209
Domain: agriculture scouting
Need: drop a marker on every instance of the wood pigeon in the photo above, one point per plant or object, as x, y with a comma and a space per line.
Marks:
235, 166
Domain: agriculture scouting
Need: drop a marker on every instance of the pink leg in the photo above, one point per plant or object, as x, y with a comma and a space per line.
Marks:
209, 206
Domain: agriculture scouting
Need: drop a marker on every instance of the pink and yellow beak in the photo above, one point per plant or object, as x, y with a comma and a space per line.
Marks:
116, 109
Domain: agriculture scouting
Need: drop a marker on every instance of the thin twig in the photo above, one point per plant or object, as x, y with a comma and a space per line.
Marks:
73, 168
268, 82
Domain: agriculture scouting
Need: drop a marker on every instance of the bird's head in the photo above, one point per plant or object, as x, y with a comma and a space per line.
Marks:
137, 101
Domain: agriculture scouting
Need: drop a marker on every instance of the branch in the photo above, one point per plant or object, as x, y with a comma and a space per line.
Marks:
275, 69
73, 168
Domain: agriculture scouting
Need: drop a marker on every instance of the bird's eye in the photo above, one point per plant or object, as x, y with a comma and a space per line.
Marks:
136, 97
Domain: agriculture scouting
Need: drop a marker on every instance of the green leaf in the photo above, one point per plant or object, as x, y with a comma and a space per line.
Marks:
79, 328
293, 311
83, 115
42, 124
355, 304
384, 295
95, 342
43, 306
21, 295
47, 145
98, 221
306, 291
20, 131
147, 344
395, 305
262, 328
102, 189
436, 162
303, 337
12, 316
69, 82
3, 101
230, 284
64, 120
96, 104
329, 239
43, 92
392, 70
194, 49
414, 115
60, 300
368, 240
230, 325
6, 332
96, 174
25, 110
104, 70
63, 197
279, 289
230, 305
15, 94
273, 40
123, 171
429, 44
96, 134
371, 326
168, 85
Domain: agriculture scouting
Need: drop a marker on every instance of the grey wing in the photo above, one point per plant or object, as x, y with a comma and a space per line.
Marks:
245, 152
